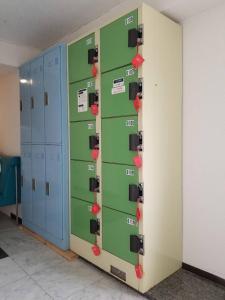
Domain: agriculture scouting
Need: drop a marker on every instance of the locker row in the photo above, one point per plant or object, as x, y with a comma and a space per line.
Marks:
120, 140
41, 98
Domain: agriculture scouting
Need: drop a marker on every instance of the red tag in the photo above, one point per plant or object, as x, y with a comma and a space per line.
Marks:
94, 70
94, 154
137, 104
95, 209
138, 214
94, 109
96, 250
137, 61
139, 271
137, 161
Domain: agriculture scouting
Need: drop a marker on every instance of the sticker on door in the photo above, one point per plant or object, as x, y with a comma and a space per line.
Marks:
82, 100
118, 86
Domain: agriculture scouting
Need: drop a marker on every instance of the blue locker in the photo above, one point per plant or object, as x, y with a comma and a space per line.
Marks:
25, 104
26, 182
38, 185
37, 101
54, 208
52, 91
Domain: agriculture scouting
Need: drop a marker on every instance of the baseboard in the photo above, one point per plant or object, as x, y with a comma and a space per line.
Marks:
13, 216
204, 274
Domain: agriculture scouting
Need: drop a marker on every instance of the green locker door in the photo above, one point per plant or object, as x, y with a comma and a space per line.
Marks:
79, 108
115, 92
80, 173
78, 58
115, 187
115, 52
115, 139
79, 139
117, 228
80, 220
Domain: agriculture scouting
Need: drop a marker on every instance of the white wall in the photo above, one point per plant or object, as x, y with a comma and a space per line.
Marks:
204, 141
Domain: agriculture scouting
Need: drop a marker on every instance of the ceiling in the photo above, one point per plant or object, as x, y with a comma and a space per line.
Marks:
41, 23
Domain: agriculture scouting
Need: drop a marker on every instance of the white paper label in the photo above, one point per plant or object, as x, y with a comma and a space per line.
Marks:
82, 100
118, 86
129, 123
90, 126
89, 208
129, 172
129, 20
131, 221
89, 41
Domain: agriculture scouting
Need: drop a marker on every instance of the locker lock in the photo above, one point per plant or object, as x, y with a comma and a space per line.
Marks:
135, 142
135, 192
137, 244
92, 99
135, 89
93, 142
94, 226
135, 37
94, 185
92, 56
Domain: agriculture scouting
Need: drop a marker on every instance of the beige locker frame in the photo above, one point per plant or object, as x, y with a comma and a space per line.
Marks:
160, 119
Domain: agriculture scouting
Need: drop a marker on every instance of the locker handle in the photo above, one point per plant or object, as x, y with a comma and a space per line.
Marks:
32, 102
21, 180
46, 98
21, 105
33, 184
47, 188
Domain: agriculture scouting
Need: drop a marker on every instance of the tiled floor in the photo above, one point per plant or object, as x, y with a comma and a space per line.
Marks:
32, 271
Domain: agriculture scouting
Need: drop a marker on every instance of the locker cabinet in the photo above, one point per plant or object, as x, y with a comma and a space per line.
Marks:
79, 139
52, 97
115, 52
45, 156
78, 58
81, 172
115, 139
117, 228
38, 185
26, 182
53, 190
79, 100
80, 219
25, 104
37, 101
115, 92
115, 187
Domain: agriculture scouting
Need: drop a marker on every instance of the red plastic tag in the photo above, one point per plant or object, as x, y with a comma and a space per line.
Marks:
94, 109
94, 70
137, 161
138, 214
139, 271
137, 61
95, 209
94, 154
96, 250
137, 104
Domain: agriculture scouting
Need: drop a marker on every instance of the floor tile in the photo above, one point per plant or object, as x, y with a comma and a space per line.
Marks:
34, 261
64, 279
23, 289
9, 272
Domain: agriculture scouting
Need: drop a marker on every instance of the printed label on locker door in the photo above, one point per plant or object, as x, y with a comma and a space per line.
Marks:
82, 100
129, 123
89, 41
130, 72
89, 208
90, 126
129, 172
129, 20
131, 222
118, 86
91, 168
90, 84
